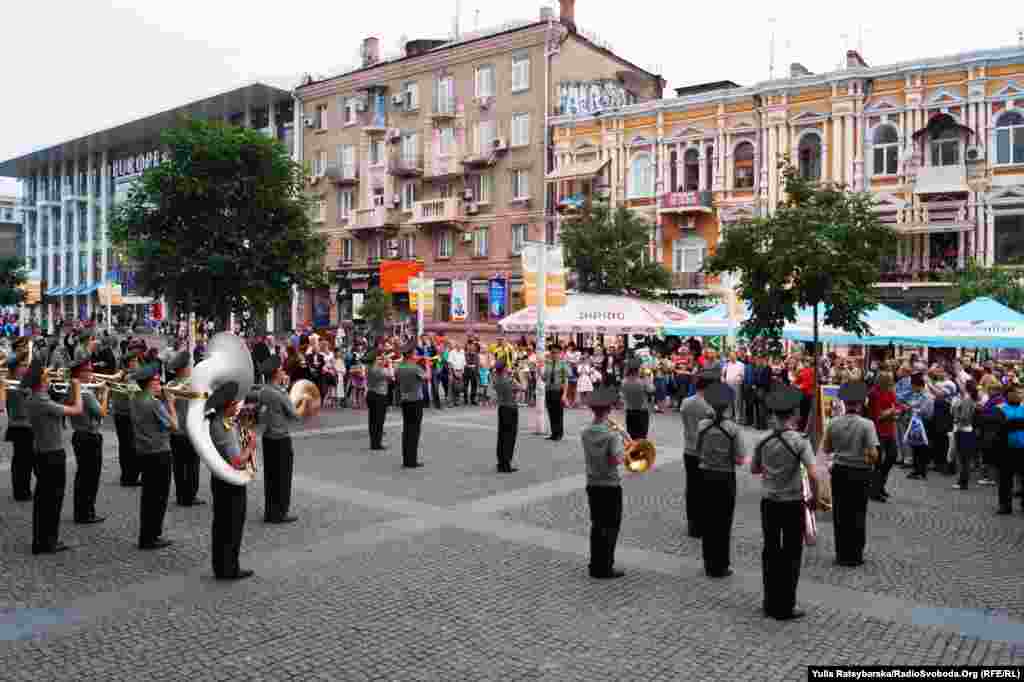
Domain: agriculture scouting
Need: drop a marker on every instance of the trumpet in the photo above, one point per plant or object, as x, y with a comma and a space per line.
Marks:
184, 392
640, 453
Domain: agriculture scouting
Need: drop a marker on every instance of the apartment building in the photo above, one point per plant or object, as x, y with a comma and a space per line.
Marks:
939, 141
11, 228
69, 191
438, 156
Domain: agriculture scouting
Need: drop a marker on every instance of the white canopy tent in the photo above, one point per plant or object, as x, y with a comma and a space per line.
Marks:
598, 314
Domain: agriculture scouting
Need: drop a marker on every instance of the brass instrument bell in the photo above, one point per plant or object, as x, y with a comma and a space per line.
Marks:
303, 388
639, 454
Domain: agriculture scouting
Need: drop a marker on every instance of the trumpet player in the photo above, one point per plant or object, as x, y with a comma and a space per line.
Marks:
718, 444
50, 459
508, 417
604, 452
125, 430
186, 460
153, 421
86, 345
19, 427
87, 444
278, 454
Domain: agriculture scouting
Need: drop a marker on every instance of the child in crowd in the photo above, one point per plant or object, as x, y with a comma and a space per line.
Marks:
358, 381
486, 364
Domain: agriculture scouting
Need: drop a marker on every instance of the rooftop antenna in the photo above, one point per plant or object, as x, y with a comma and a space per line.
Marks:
771, 50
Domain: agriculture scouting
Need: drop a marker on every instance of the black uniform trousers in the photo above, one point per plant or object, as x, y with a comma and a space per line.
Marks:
693, 494
850, 488
556, 413
21, 439
130, 470
472, 382
783, 526
412, 419
228, 524
88, 449
638, 422
1009, 464
278, 464
48, 500
508, 428
605, 520
186, 470
156, 488
718, 503
378, 411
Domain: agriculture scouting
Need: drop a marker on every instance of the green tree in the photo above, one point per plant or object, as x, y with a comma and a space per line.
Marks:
222, 225
1003, 285
823, 245
376, 310
12, 275
606, 249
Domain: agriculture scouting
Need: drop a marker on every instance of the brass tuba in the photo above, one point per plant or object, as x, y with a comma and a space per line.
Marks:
227, 359
640, 454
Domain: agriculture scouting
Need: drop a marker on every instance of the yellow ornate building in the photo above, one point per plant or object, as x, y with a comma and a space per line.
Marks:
939, 141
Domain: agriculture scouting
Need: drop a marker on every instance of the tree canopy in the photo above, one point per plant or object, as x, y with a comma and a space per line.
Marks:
12, 276
1003, 285
376, 310
222, 225
606, 250
823, 244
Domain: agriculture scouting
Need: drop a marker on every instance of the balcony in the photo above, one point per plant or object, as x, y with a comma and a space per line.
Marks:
438, 211
342, 175
376, 218
444, 108
406, 165
687, 280
685, 202
911, 272
940, 179
373, 122
572, 203
443, 167
480, 159
932, 218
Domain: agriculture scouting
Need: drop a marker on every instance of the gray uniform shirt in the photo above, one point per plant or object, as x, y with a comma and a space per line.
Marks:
377, 380
410, 382
694, 409
634, 394
46, 417
556, 375
505, 390
90, 419
151, 425
278, 412
17, 407
782, 481
225, 439
122, 404
717, 450
850, 435
601, 446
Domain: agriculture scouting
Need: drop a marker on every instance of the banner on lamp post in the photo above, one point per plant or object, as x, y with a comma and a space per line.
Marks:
460, 296
498, 298
555, 290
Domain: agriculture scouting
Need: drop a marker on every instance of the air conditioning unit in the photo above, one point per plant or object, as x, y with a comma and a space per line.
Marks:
398, 100
975, 152
467, 238
467, 195
472, 207
396, 201
308, 121
360, 105
500, 144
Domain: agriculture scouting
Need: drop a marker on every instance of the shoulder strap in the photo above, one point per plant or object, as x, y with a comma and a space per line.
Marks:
715, 424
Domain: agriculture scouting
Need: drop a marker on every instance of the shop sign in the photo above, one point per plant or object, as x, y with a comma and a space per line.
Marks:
498, 298
460, 297
138, 164
695, 303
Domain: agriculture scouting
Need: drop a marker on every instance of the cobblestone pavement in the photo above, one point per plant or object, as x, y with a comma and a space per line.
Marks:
451, 572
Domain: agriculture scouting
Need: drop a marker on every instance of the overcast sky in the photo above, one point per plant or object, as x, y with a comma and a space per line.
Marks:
75, 67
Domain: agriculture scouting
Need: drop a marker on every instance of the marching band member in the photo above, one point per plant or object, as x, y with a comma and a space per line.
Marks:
50, 459
694, 409
604, 452
556, 383
377, 379
634, 395
152, 421
854, 441
278, 455
508, 417
778, 457
186, 459
87, 443
19, 427
719, 449
86, 344
411, 380
228, 499
123, 427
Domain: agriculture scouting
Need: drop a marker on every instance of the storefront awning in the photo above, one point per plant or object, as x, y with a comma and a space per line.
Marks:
88, 289
574, 171
52, 291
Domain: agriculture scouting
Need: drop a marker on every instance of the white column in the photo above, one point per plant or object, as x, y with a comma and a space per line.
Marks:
962, 245
979, 229
297, 128
272, 118
837, 149
90, 221
849, 152
101, 238
772, 146
990, 239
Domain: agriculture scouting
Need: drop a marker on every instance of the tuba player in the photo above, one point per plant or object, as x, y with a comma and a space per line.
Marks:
186, 460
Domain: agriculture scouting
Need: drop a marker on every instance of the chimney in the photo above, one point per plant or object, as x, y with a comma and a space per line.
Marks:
371, 51
854, 60
568, 14
798, 70
546, 13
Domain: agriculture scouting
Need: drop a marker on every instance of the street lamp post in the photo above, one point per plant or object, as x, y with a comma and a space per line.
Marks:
541, 250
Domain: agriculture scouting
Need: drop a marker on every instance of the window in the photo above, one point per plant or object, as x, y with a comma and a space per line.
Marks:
83, 267
691, 170
443, 306
345, 198
346, 250
886, 150
351, 111
743, 164
347, 160
687, 255
408, 247
673, 172
480, 242
447, 141
377, 152
410, 147
945, 146
520, 130
481, 302
446, 190
378, 197
1009, 240
809, 155
486, 133
520, 184
411, 96
319, 210
709, 171
444, 244
481, 186
520, 73
1010, 138
319, 163
641, 176
517, 300
519, 233
376, 249
320, 117
485, 81
444, 97
408, 195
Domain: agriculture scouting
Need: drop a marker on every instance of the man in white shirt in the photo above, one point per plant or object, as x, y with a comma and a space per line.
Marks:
457, 363
732, 376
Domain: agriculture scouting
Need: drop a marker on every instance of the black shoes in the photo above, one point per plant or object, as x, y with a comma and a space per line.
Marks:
194, 503
91, 519
850, 563
792, 615
507, 470
1003, 511
131, 484
241, 575
22, 498
611, 575
379, 448
59, 547
720, 574
283, 519
417, 465
156, 544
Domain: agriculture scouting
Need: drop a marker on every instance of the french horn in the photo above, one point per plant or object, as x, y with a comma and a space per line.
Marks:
639, 454
227, 359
